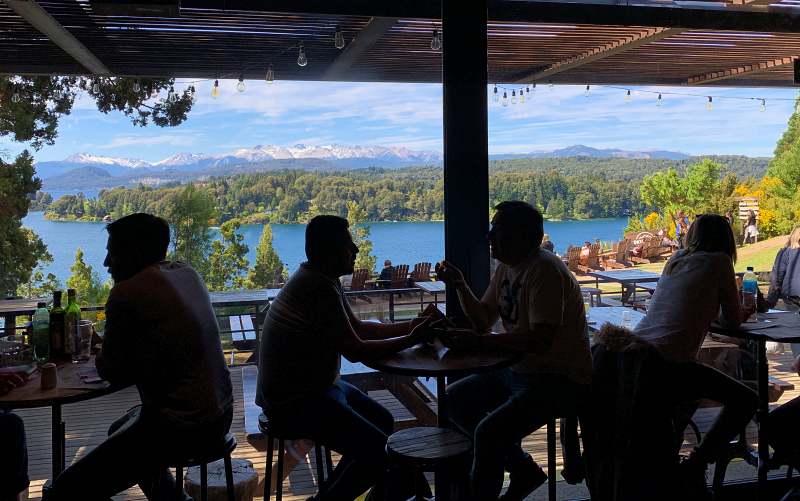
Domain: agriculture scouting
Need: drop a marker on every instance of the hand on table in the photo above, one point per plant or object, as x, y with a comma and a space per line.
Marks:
8, 382
460, 339
449, 273
420, 329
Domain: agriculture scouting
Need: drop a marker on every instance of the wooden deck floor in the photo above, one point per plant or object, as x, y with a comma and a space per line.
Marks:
87, 422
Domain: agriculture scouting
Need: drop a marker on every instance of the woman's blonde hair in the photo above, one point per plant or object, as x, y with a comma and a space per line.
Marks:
794, 238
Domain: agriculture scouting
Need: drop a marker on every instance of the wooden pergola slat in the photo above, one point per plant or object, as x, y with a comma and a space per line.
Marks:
739, 71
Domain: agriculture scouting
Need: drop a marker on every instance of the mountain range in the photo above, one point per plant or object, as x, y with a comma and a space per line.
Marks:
89, 171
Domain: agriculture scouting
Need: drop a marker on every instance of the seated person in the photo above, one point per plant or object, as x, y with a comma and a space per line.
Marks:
783, 421
387, 274
698, 282
547, 244
307, 330
540, 304
161, 335
14, 458
586, 250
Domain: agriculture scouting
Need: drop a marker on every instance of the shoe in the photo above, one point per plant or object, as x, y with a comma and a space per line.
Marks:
524, 480
574, 472
692, 474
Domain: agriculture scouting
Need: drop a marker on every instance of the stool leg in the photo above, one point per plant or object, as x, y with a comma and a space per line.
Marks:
268, 470
179, 483
320, 465
229, 478
328, 461
204, 482
551, 459
279, 480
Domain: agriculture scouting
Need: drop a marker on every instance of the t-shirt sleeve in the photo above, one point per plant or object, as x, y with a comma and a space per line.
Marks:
545, 296
730, 306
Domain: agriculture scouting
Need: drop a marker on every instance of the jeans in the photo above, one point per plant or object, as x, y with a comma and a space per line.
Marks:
135, 452
498, 409
14, 456
693, 381
345, 419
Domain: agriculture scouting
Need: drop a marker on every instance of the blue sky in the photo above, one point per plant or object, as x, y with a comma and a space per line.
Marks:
287, 113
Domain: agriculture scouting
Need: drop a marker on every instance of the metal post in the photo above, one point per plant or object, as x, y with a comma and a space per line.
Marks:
391, 306
762, 418
466, 151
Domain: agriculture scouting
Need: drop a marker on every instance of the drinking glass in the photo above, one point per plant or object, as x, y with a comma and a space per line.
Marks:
587, 302
83, 342
626, 319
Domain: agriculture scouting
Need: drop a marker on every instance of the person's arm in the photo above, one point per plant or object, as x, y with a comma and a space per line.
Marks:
482, 313
731, 314
537, 339
776, 279
115, 362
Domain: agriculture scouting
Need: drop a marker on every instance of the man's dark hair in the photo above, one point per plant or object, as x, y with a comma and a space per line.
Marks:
321, 232
146, 234
524, 218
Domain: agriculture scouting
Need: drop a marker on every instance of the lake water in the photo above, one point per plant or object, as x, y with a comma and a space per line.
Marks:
402, 242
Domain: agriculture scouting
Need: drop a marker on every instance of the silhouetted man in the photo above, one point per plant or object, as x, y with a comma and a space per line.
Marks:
541, 307
308, 328
161, 335
14, 457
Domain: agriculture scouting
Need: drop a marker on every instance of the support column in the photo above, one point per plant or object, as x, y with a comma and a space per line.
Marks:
466, 151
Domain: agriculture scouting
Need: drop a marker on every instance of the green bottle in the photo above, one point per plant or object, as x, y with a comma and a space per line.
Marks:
57, 327
72, 317
41, 333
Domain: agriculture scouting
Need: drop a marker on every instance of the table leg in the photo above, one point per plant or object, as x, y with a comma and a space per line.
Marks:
443, 418
761, 418
57, 440
421, 297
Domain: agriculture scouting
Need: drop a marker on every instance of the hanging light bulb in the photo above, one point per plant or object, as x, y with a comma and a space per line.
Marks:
270, 78
495, 95
513, 97
658, 101
338, 39
763, 106
586, 92
96, 88
533, 87
436, 40
505, 99
302, 60
628, 96
172, 96
240, 84
551, 86
710, 103
521, 97
15, 97
193, 93
137, 86
215, 89
57, 94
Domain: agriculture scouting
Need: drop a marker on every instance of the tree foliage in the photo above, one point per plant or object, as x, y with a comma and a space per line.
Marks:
189, 212
87, 282
268, 268
360, 231
227, 262
31, 106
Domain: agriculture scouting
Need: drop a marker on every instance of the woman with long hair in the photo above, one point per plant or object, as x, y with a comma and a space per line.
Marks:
784, 283
698, 286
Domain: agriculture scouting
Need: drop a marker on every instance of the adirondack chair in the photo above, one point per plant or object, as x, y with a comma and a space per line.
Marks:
574, 261
637, 259
617, 258
593, 259
421, 273
400, 277
360, 276
653, 250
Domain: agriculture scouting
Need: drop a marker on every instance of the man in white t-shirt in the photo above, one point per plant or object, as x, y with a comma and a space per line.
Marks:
540, 304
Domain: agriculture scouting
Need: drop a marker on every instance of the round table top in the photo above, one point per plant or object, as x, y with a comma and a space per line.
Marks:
70, 389
423, 360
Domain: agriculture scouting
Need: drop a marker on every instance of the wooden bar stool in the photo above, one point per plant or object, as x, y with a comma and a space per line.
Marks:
271, 435
428, 448
222, 450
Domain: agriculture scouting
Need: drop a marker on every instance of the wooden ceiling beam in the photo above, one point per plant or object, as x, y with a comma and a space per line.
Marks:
38, 18
748, 69
363, 41
597, 53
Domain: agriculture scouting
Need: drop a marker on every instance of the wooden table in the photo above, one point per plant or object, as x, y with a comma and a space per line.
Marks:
422, 361
434, 288
626, 278
70, 389
600, 315
784, 328
256, 297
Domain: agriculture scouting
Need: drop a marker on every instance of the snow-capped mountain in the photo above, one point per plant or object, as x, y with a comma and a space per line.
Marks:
87, 158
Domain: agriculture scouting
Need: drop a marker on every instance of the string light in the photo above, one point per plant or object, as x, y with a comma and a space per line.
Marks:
338, 39
505, 99
521, 96
436, 40
240, 86
57, 94
96, 88
192, 93
302, 60
495, 96
270, 78
586, 93
15, 97
658, 101
215, 89
513, 97
763, 106
534, 87
710, 103
628, 96
137, 86
172, 96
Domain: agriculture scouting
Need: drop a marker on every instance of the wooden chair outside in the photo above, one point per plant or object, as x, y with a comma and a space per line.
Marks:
653, 250
574, 261
618, 257
421, 273
400, 277
593, 259
636, 259
360, 277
